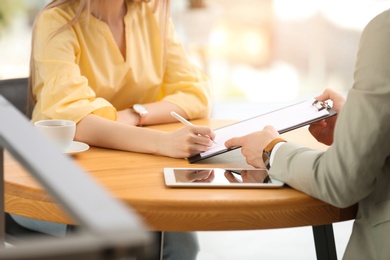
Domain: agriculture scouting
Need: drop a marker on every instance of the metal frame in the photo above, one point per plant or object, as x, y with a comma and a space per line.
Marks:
108, 228
324, 242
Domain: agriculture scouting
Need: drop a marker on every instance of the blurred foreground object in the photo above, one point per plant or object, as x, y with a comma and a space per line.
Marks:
107, 228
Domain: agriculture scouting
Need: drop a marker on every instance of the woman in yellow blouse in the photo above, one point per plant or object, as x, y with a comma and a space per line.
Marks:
93, 66
103, 64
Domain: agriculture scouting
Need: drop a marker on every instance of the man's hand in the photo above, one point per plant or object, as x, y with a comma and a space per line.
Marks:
323, 130
252, 145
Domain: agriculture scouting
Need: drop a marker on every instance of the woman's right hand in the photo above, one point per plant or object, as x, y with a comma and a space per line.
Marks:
323, 130
186, 141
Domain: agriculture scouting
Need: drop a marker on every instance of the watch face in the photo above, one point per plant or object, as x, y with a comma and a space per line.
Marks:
140, 109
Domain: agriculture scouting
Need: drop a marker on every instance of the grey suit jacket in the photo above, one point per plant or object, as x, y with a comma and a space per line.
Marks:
356, 167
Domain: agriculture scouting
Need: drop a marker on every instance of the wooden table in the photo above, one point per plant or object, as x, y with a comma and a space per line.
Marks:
138, 180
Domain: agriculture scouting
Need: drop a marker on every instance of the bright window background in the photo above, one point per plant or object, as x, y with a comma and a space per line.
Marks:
16, 18
263, 54
259, 54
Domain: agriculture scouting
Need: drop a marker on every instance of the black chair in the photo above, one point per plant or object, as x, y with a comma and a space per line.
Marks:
16, 92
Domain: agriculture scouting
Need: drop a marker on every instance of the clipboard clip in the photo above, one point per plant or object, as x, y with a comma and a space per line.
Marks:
321, 105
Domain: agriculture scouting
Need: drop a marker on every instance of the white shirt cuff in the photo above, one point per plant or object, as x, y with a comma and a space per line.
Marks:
276, 147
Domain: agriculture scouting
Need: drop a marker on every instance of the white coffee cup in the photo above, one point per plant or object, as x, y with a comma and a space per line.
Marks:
60, 132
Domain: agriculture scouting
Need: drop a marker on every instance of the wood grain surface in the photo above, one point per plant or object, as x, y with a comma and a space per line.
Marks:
137, 179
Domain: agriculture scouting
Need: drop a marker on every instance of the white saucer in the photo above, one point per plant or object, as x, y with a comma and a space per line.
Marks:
76, 147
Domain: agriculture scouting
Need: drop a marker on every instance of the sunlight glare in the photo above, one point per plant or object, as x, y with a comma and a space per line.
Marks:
219, 37
358, 16
254, 43
278, 83
294, 10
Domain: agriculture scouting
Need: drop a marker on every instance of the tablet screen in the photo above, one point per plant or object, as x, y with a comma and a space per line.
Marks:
187, 177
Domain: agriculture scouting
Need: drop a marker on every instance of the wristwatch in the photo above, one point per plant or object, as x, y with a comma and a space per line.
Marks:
142, 112
268, 150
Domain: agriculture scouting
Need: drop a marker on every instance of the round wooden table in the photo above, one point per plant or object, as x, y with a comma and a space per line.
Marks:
137, 179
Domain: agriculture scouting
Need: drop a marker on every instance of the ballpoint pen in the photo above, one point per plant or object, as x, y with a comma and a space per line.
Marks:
184, 121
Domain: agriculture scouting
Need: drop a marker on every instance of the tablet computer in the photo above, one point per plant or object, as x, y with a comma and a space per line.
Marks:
219, 177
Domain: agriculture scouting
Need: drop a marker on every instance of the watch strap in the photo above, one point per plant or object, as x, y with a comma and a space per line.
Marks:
268, 150
142, 112
142, 119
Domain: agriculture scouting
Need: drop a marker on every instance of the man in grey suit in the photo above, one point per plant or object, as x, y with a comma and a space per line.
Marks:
356, 166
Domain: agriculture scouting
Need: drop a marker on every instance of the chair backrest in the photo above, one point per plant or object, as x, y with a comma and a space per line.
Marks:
16, 92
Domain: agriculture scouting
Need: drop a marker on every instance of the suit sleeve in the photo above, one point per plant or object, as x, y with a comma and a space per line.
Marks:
348, 171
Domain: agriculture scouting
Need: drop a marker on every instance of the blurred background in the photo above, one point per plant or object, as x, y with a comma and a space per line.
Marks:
258, 54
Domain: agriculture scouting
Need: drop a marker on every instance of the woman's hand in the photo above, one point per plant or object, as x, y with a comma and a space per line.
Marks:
186, 141
323, 130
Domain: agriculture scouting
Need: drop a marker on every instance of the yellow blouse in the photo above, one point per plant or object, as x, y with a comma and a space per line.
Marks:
81, 70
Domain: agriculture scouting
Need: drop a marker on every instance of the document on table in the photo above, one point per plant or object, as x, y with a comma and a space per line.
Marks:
284, 120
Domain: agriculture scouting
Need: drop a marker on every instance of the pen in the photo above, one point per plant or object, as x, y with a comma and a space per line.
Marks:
184, 121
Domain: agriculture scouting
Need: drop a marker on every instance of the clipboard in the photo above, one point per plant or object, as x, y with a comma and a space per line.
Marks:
283, 119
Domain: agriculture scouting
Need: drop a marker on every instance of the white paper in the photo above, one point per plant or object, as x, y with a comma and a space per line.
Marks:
281, 119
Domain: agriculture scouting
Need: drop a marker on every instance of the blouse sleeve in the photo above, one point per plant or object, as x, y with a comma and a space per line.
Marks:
184, 84
58, 86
